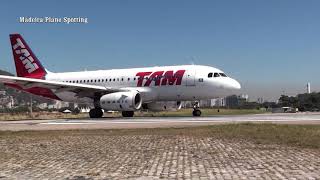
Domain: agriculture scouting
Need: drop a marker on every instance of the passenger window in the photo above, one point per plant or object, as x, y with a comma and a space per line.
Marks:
223, 75
216, 75
106, 80
210, 75
121, 79
128, 79
114, 79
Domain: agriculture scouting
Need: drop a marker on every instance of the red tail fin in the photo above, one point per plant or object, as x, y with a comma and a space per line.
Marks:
27, 64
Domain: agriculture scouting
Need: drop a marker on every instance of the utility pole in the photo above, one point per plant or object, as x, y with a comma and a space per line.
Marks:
31, 115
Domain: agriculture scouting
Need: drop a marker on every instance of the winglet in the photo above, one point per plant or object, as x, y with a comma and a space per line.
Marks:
27, 64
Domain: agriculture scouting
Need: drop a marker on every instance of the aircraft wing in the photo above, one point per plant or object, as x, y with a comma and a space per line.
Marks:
82, 90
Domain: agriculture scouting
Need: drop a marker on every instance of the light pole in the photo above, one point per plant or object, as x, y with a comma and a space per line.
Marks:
31, 115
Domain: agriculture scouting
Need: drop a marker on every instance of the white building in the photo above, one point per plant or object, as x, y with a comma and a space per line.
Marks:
218, 102
43, 105
58, 105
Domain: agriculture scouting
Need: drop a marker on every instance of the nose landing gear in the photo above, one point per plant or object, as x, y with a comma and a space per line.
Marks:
196, 109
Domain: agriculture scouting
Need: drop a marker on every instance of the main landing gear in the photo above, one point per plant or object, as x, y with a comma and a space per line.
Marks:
127, 113
196, 109
96, 113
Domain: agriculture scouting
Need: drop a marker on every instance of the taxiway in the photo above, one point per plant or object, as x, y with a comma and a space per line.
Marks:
156, 122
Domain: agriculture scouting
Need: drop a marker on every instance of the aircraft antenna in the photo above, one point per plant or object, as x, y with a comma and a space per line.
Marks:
192, 60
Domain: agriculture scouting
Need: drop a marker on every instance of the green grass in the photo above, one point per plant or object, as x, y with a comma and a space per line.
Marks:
307, 136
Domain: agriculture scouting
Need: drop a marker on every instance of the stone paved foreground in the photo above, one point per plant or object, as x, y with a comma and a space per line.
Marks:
79, 156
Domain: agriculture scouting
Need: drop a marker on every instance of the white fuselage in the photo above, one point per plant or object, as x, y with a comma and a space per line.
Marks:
153, 83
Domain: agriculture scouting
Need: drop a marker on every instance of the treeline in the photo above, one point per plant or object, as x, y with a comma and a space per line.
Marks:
304, 102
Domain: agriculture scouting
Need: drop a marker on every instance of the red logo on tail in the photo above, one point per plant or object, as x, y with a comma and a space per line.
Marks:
27, 64
24, 56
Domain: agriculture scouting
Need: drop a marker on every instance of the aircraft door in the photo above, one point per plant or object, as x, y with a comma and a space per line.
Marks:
191, 77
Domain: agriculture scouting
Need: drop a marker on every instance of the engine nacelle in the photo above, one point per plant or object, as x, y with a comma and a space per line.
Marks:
121, 101
163, 106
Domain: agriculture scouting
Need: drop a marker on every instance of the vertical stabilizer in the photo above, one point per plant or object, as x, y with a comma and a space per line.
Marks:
27, 64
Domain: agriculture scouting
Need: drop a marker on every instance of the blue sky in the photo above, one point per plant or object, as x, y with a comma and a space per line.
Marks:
271, 46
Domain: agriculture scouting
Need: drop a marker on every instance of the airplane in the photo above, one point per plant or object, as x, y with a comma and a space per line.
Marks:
126, 90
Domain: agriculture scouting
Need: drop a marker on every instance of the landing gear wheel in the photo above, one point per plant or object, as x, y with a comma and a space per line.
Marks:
127, 113
196, 112
96, 113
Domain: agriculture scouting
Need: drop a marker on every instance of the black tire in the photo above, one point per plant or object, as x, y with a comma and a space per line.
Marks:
196, 112
96, 113
127, 113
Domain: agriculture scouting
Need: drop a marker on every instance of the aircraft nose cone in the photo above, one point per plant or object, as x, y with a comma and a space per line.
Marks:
235, 84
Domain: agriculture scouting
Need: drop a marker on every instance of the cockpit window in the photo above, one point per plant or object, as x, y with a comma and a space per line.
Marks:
210, 75
223, 75
216, 75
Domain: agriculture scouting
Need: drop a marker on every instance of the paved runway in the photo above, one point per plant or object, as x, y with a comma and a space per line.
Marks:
154, 122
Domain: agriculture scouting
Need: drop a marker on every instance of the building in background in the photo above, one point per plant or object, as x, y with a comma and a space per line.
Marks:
7, 102
58, 105
3, 93
235, 101
43, 106
260, 100
218, 102
308, 88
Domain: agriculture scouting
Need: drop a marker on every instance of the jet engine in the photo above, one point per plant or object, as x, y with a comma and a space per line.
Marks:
163, 106
121, 101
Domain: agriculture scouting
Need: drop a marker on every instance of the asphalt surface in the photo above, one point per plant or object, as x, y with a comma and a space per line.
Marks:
156, 122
